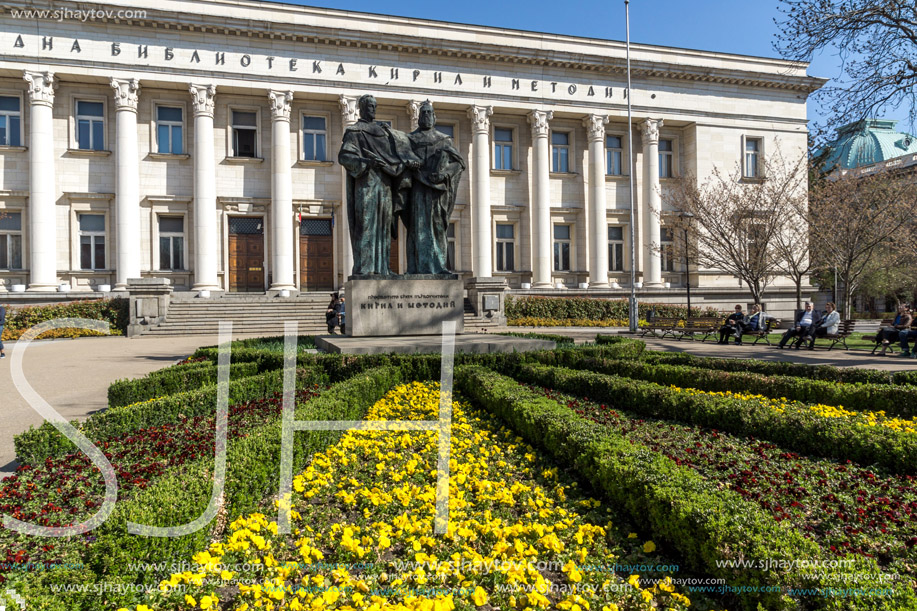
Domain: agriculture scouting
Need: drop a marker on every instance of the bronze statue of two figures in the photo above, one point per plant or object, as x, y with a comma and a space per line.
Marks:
392, 175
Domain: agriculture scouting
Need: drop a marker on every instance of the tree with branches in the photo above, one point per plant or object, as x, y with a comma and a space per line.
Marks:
858, 220
877, 44
735, 222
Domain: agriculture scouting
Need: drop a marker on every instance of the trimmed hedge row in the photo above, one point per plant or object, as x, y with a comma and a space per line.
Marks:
173, 380
571, 308
850, 375
551, 337
115, 311
707, 525
36, 444
801, 431
181, 495
899, 400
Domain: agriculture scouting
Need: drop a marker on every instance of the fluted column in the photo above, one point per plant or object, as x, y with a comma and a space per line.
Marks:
42, 183
652, 268
205, 201
541, 212
481, 241
127, 182
281, 192
598, 257
349, 116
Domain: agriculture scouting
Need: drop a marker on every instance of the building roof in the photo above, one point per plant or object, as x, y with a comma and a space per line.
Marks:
867, 142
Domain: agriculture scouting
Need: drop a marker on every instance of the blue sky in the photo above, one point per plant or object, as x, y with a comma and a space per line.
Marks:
733, 26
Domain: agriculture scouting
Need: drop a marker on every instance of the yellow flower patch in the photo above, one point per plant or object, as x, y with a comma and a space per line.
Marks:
520, 535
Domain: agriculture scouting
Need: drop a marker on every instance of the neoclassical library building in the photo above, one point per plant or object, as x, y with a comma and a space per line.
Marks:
197, 140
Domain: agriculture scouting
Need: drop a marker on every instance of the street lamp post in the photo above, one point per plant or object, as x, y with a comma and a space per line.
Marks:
686, 220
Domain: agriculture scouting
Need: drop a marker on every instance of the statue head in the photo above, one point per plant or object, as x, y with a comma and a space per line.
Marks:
426, 118
367, 105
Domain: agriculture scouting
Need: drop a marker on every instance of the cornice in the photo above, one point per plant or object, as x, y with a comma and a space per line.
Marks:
604, 57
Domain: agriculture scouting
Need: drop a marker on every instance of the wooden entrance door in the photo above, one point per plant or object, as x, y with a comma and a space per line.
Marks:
246, 254
316, 245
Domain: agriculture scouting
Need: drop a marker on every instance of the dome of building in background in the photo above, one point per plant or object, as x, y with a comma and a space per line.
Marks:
866, 142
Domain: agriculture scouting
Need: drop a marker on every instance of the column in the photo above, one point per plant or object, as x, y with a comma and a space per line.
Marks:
349, 116
481, 241
541, 200
205, 200
652, 268
598, 257
42, 183
281, 192
127, 182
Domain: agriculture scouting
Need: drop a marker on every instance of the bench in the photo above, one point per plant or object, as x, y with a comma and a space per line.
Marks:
764, 333
844, 329
706, 325
893, 345
664, 325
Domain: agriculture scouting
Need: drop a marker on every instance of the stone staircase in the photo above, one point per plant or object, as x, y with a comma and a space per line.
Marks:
261, 315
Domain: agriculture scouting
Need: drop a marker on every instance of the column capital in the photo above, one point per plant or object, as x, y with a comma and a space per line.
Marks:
480, 118
127, 91
41, 87
539, 120
595, 127
349, 111
281, 102
413, 108
649, 130
202, 99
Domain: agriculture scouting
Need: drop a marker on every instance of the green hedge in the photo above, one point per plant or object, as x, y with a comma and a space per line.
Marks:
181, 495
707, 525
848, 375
798, 430
571, 308
114, 311
172, 380
893, 399
561, 340
36, 444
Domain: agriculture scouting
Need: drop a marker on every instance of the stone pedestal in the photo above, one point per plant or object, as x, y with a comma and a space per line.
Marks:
414, 305
149, 303
487, 298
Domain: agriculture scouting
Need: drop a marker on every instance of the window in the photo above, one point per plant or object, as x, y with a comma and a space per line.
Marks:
169, 130
244, 133
506, 248
560, 152
614, 156
10, 119
171, 242
503, 148
752, 154
314, 132
11, 240
561, 248
447, 129
666, 159
616, 249
90, 125
92, 241
667, 250
450, 247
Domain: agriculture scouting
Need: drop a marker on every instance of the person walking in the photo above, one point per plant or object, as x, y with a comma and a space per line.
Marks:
2, 324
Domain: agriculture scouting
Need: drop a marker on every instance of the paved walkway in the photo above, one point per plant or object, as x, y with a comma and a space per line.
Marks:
74, 375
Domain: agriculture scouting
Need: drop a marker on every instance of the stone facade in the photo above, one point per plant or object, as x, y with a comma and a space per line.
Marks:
202, 113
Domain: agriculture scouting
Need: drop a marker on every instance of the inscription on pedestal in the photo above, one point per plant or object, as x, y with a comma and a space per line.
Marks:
402, 307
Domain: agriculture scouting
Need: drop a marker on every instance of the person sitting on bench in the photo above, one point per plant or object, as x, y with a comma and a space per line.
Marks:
827, 325
732, 327
756, 321
804, 319
902, 322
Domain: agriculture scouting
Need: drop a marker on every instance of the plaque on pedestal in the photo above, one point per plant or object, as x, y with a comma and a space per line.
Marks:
403, 306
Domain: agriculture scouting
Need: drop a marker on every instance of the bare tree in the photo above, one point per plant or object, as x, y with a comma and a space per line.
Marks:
876, 41
735, 221
791, 242
859, 220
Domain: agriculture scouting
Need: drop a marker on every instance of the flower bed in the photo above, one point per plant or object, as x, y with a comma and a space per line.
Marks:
800, 430
843, 507
368, 502
590, 308
113, 311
